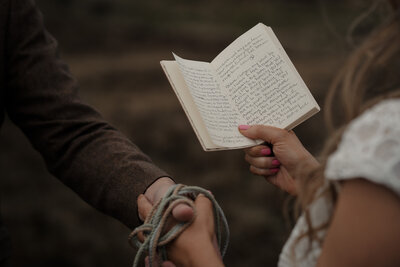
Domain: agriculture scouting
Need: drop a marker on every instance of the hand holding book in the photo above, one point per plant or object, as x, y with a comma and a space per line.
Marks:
252, 81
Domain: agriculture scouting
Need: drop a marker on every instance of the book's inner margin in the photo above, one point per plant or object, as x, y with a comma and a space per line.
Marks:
220, 117
262, 84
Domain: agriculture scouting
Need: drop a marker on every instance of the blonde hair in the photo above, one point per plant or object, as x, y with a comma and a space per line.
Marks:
366, 79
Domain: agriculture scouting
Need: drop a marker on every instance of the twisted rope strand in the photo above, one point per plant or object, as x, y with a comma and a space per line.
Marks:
152, 228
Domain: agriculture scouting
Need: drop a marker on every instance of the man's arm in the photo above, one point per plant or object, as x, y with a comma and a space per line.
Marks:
79, 147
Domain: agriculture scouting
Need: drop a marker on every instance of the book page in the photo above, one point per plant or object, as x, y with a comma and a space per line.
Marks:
178, 84
273, 37
262, 85
220, 118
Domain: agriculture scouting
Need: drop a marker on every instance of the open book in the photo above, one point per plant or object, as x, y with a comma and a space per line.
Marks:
252, 81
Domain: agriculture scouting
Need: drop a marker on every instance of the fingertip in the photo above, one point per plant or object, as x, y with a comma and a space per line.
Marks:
203, 202
266, 151
276, 162
244, 127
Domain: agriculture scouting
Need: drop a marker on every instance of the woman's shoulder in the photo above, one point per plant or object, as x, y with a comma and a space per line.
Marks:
370, 147
384, 114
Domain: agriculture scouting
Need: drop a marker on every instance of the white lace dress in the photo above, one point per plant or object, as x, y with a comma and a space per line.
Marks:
370, 148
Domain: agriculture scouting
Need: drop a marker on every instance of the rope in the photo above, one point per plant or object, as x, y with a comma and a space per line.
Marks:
155, 240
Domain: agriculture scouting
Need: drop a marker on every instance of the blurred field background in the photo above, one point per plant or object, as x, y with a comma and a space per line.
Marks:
113, 48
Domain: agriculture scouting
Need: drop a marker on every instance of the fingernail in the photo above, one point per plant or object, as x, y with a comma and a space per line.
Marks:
276, 162
244, 127
274, 170
265, 151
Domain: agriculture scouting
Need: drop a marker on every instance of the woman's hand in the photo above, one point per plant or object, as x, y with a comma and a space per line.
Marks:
289, 156
197, 245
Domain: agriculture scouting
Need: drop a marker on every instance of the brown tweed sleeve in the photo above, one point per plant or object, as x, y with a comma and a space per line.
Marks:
79, 147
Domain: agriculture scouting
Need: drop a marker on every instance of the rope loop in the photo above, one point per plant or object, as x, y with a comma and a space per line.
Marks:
153, 228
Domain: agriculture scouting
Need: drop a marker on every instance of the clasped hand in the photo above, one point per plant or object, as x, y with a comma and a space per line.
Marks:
197, 245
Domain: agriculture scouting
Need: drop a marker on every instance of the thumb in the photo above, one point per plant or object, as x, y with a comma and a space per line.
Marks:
144, 206
267, 133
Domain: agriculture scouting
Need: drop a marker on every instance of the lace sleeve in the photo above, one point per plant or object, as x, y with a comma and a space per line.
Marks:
370, 148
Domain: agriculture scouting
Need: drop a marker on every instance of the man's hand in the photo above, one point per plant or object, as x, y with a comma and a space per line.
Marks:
154, 193
180, 213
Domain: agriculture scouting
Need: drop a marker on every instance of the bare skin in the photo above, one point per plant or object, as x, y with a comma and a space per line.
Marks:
152, 195
365, 227
195, 247
157, 190
290, 154
365, 230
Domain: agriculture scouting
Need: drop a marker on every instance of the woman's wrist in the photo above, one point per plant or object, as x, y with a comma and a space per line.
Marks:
196, 252
309, 161
312, 162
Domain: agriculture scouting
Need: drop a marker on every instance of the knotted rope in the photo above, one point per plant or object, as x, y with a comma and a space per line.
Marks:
155, 240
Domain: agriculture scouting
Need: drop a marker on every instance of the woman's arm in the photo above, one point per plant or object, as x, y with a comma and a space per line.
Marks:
365, 230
